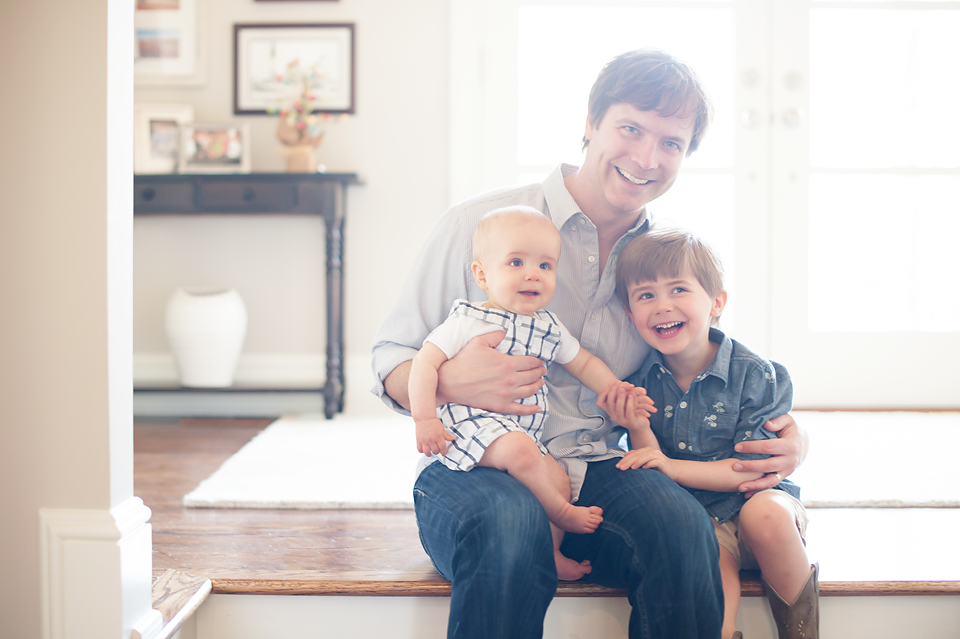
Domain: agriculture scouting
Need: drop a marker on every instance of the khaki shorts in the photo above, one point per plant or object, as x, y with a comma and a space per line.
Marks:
729, 538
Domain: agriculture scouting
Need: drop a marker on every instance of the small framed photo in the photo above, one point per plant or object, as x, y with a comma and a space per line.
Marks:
156, 136
264, 53
214, 148
169, 42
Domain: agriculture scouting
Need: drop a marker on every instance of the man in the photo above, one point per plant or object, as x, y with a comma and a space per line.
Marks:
483, 530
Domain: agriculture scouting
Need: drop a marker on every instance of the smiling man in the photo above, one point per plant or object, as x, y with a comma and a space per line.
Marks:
485, 531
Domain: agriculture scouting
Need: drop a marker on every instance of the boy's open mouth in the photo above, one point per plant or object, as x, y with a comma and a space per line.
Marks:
629, 178
671, 328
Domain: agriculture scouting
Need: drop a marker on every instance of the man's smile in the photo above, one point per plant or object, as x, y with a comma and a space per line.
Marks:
629, 178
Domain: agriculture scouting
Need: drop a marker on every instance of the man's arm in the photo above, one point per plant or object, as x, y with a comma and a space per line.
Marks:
788, 452
478, 376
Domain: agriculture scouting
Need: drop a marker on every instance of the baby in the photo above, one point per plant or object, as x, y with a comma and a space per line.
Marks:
515, 253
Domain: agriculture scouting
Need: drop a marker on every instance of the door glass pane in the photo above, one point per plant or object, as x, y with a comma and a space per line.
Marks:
883, 253
704, 205
884, 88
561, 50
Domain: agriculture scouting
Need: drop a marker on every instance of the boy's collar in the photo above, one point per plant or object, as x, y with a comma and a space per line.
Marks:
719, 368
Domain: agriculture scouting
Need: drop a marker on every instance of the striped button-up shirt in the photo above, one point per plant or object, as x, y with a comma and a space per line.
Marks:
576, 432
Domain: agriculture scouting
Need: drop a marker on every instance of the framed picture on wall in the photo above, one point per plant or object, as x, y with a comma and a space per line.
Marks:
214, 148
263, 55
156, 136
169, 42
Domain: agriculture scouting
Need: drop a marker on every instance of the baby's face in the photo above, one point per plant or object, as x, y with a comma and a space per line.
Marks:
519, 270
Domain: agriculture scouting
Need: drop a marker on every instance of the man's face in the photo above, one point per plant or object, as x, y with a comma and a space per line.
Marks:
634, 156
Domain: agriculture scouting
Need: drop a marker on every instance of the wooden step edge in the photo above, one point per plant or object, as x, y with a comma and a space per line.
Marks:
177, 595
438, 588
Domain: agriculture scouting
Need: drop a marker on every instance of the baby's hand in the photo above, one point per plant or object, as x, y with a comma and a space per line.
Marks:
627, 405
647, 458
432, 438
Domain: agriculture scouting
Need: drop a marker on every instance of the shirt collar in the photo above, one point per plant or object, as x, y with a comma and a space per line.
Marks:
561, 204
721, 363
720, 367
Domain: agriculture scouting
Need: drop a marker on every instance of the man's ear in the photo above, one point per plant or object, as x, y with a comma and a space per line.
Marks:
588, 128
719, 303
479, 275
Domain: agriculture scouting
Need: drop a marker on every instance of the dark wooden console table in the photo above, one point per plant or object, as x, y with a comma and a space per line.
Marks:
321, 194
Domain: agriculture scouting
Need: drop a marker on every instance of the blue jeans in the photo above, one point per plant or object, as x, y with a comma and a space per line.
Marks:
490, 537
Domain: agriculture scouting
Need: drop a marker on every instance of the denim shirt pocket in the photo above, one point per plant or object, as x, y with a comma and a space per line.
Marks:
716, 435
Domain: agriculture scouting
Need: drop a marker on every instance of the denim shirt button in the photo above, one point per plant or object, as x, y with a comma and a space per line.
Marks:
683, 404
681, 446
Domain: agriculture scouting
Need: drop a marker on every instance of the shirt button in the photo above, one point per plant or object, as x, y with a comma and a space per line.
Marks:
681, 446
591, 259
593, 316
683, 404
573, 227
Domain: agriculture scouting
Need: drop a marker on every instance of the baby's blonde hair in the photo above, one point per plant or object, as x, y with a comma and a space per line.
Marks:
494, 221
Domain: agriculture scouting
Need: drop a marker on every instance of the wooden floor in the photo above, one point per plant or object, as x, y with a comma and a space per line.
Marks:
378, 552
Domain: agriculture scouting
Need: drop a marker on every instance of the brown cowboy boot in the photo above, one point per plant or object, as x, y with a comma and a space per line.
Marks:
801, 619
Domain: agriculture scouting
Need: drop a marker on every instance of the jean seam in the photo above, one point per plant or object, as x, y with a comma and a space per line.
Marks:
423, 544
636, 601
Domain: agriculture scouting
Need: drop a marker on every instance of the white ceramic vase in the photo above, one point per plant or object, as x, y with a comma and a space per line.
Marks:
206, 328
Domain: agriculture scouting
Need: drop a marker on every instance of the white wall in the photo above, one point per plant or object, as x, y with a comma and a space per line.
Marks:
397, 142
73, 535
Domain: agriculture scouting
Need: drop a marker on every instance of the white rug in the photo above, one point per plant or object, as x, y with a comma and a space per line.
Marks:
314, 463
856, 460
880, 460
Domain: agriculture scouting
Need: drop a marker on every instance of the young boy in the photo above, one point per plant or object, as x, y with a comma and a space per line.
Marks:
712, 392
515, 253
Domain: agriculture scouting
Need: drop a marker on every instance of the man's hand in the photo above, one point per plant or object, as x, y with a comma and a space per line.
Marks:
484, 378
788, 450
432, 437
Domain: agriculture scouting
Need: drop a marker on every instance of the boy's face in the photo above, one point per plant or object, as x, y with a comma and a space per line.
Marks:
673, 314
519, 271
634, 156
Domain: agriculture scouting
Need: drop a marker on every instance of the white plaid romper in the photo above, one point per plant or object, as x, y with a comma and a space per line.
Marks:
475, 429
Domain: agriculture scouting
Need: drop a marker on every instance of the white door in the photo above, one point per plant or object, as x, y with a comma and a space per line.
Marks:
866, 201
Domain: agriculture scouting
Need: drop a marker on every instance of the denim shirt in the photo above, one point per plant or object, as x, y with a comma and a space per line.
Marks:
727, 403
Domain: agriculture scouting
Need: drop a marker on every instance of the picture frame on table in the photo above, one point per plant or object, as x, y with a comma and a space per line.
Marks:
214, 148
169, 42
262, 54
156, 136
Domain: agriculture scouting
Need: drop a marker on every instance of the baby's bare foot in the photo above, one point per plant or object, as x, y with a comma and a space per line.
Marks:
577, 519
570, 570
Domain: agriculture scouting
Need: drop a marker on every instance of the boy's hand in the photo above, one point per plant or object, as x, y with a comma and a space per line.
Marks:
432, 437
627, 405
647, 458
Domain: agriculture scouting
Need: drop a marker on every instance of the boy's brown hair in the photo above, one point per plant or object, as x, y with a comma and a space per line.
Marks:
667, 252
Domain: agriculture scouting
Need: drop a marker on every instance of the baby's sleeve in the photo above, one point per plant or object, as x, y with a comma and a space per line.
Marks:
569, 346
456, 331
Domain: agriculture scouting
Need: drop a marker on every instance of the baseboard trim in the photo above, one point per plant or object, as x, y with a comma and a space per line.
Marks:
253, 369
95, 572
